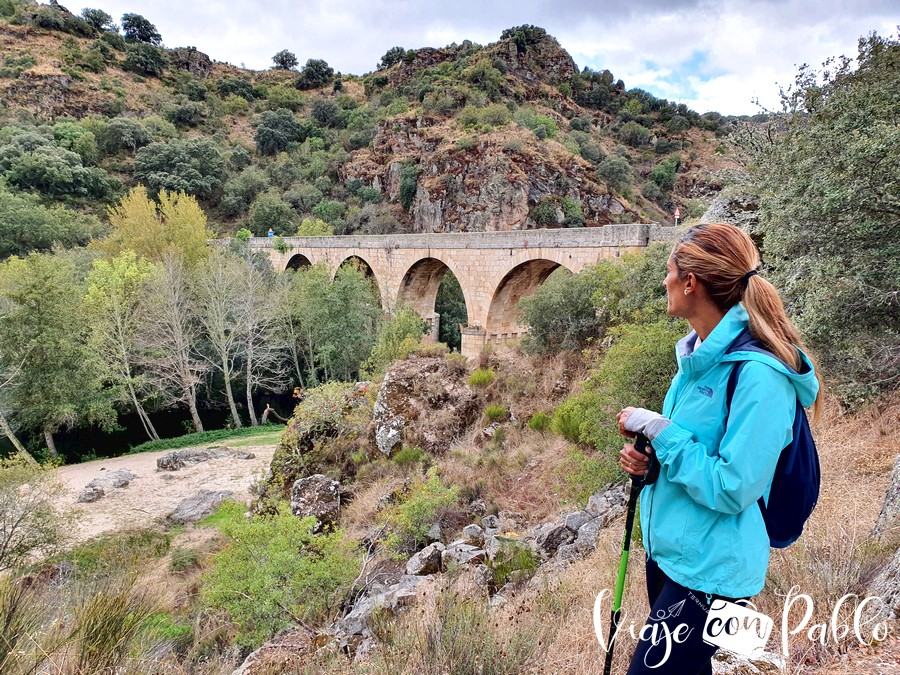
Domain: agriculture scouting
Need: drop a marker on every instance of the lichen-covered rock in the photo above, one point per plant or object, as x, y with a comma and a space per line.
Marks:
551, 536
423, 403
324, 414
190, 59
462, 554
768, 663
890, 510
199, 506
177, 459
317, 496
101, 485
427, 561
90, 494
473, 534
735, 208
608, 505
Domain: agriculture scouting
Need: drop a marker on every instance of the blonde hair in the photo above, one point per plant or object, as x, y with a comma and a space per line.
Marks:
723, 257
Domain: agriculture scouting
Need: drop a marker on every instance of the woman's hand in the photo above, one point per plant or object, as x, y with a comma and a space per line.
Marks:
632, 461
620, 419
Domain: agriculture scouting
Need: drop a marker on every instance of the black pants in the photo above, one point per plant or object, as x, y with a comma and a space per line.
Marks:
678, 615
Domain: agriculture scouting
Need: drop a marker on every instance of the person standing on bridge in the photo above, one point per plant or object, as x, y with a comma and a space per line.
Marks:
270, 233
703, 532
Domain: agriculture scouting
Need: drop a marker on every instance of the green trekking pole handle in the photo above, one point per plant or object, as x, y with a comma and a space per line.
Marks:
637, 483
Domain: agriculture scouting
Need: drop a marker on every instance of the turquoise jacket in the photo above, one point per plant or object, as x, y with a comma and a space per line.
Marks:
700, 520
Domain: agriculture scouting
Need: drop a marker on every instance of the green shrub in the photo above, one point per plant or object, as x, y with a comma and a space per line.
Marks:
182, 559
282, 569
166, 628
663, 174
513, 562
413, 517
314, 227
409, 185
540, 421
560, 315
144, 59
119, 552
399, 336
584, 475
243, 234
573, 215
544, 213
481, 377
615, 172
634, 134
270, 210
495, 412
409, 455
193, 165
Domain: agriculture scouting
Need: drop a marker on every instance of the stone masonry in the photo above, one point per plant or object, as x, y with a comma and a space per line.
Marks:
494, 269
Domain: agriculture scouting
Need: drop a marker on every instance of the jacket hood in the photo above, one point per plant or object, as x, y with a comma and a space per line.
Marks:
713, 350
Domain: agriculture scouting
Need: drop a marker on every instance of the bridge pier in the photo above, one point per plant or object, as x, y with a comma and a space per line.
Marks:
473, 341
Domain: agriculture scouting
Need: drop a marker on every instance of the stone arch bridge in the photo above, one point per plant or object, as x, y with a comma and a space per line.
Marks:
494, 269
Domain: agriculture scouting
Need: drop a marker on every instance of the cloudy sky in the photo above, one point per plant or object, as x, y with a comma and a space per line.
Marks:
713, 55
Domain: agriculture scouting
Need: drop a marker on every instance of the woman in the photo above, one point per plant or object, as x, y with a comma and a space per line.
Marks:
702, 528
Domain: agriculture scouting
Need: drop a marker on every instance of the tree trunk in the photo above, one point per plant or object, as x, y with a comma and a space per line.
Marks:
149, 429
195, 417
231, 404
51, 444
8, 432
253, 421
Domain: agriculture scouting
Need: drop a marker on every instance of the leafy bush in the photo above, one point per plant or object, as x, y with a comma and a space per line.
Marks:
145, 59
544, 213
240, 191
236, 86
615, 172
282, 570
327, 113
513, 562
399, 336
663, 174
409, 185
391, 56
573, 216
481, 377
495, 412
413, 517
316, 73
314, 227
122, 133
560, 314
275, 130
332, 212
634, 134
539, 421
194, 166
635, 371
828, 213
584, 475
409, 455
269, 210
32, 527
629, 289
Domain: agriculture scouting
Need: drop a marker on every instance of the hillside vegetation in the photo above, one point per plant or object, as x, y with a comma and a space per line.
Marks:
465, 137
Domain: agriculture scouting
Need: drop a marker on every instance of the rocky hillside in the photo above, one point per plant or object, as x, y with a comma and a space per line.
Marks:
465, 137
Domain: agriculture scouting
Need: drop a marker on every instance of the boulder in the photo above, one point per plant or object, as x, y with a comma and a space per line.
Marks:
608, 505
768, 663
354, 628
427, 561
318, 496
887, 519
199, 506
473, 534
551, 536
886, 585
735, 208
177, 459
90, 494
575, 520
462, 554
424, 403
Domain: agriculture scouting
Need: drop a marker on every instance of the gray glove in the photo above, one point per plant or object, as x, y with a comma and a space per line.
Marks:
646, 422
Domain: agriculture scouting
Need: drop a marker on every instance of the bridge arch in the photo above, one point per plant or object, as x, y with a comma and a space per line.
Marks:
298, 261
420, 284
521, 281
363, 265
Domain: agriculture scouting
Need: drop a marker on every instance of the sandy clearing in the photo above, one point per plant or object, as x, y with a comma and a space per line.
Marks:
149, 497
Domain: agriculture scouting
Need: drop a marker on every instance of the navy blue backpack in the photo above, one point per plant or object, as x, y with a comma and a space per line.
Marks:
795, 486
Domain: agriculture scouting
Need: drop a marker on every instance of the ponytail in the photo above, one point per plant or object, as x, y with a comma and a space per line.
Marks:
726, 260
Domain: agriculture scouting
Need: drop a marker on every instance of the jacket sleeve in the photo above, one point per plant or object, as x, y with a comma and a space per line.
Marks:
737, 473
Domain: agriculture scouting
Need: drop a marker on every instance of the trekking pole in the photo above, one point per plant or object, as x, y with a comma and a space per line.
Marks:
637, 483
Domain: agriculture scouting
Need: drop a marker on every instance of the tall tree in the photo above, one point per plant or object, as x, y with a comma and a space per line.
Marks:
826, 173
114, 289
261, 351
217, 289
174, 226
43, 336
169, 337
139, 29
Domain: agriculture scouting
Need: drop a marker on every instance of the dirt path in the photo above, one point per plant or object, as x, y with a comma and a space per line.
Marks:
150, 497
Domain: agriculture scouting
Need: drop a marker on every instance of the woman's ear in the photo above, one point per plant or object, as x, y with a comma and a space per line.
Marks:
690, 282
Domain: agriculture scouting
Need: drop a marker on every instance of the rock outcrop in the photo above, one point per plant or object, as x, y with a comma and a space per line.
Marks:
424, 391
199, 506
101, 485
317, 496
